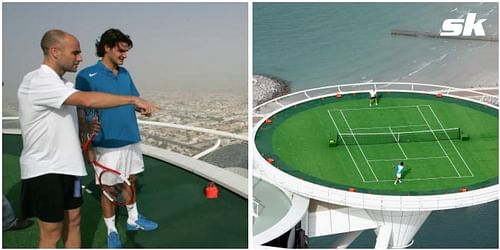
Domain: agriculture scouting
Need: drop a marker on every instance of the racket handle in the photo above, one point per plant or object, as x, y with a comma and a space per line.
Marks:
77, 191
85, 146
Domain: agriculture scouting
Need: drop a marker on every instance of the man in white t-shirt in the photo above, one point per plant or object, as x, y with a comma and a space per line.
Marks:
373, 96
51, 160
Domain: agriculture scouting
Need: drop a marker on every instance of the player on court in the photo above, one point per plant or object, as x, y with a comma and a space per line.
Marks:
399, 172
373, 96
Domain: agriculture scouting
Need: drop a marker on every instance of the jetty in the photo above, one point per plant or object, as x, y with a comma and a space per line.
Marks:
398, 32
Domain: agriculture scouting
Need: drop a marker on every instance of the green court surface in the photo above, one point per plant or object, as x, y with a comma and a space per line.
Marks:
446, 144
170, 195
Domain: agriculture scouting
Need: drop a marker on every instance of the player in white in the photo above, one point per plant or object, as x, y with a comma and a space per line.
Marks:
399, 172
373, 96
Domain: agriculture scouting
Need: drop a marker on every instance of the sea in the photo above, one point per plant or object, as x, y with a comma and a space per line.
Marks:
319, 44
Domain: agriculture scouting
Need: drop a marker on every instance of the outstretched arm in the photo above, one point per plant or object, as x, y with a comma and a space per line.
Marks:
105, 100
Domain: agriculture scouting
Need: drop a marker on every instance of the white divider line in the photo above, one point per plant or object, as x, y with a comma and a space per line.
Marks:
405, 126
453, 144
349, 151
437, 140
426, 179
414, 158
359, 146
397, 141
390, 107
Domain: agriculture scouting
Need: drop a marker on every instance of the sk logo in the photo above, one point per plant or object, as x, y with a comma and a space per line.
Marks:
455, 27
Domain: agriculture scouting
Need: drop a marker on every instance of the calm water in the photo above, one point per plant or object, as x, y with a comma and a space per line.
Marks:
318, 44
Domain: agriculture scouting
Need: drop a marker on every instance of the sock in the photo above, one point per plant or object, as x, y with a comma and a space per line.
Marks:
133, 213
110, 224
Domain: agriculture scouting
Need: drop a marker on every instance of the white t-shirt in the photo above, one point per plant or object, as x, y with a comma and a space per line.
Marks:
49, 128
373, 93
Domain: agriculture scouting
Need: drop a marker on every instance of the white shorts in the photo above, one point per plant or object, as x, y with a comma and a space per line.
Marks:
398, 175
127, 160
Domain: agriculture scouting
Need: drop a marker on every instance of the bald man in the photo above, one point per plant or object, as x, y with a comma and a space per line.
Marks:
51, 160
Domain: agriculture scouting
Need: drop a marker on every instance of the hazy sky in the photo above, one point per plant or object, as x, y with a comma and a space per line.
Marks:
176, 45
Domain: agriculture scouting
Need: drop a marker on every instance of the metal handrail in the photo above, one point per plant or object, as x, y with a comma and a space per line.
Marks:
446, 89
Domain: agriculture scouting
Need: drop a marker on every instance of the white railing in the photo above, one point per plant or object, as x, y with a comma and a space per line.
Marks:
226, 178
182, 127
475, 95
257, 207
263, 169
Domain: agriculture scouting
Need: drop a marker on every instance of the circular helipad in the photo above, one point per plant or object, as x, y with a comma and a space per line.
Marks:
447, 144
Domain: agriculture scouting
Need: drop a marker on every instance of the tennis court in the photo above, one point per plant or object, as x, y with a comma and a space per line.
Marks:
446, 144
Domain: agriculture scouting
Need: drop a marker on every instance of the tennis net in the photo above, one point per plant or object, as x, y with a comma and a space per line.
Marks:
398, 137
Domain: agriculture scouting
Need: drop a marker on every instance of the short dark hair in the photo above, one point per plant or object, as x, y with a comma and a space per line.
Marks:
52, 38
401, 163
111, 38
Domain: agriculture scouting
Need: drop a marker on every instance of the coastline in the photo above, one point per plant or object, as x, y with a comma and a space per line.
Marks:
476, 66
267, 87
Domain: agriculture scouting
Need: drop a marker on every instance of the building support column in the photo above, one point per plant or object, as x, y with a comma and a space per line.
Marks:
403, 225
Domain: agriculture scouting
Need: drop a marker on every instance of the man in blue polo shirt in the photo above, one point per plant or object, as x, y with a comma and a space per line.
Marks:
117, 145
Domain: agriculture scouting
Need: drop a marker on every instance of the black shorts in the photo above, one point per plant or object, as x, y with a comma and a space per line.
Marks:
373, 97
48, 196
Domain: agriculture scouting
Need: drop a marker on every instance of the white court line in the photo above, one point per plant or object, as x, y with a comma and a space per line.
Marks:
453, 144
414, 158
453, 165
425, 179
406, 126
360, 149
349, 151
390, 107
397, 141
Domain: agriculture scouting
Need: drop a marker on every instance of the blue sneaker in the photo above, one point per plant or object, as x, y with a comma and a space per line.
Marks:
142, 224
114, 240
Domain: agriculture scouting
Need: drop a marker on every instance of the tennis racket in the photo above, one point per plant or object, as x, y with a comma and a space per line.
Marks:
113, 185
88, 134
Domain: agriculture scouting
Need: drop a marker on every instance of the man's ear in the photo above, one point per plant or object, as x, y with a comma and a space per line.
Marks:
107, 49
54, 52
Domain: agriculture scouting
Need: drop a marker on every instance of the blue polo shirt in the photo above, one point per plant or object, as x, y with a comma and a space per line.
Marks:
119, 124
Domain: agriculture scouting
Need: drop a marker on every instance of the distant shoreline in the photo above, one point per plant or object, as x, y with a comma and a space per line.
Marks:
267, 87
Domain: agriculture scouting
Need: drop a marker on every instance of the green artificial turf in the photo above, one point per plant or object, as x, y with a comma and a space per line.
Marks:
168, 194
298, 141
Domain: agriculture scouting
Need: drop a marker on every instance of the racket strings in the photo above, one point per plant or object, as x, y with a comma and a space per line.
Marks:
115, 187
